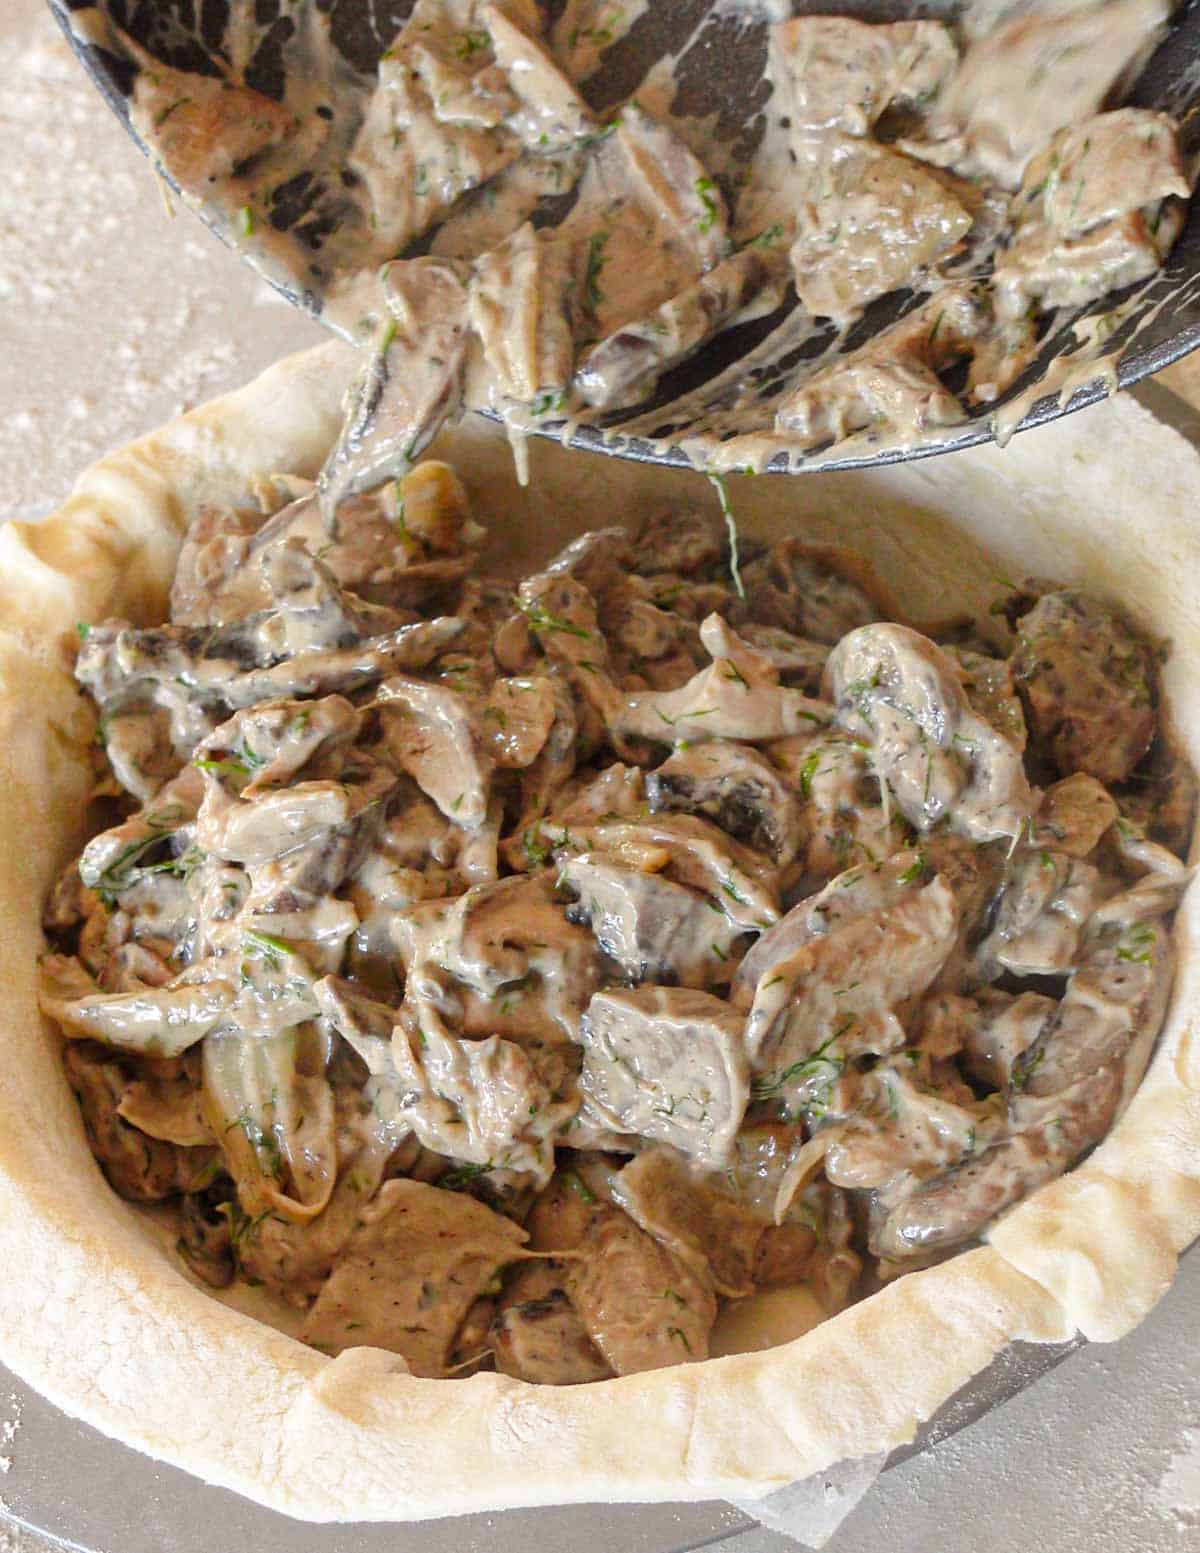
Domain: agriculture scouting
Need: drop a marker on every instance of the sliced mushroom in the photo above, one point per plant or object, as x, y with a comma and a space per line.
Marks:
690, 1213
400, 400
735, 786
687, 849
244, 819
737, 697
1161, 796
517, 300
990, 1031
869, 217
480, 1101
905, 1126
538, 1335
1066, 1088
647, 210
689, 543
893, 385
507, 940
618, 793
836, 996
597, 560
643, 1307
1107, 166
956, 1206
118, 858
551, 116
652, 929
433, 733
898, 691
159, 1021
818, 592
1074, 814
627, 365
1088, 684
1046, 900
836, 73
988, 682
137, 1165
866, 888
294, 1259
546, 777
1037, 72
409, 1273
517, 718
435, 129
167, 1107
206, 128
798, 662
846, 813
667, 1063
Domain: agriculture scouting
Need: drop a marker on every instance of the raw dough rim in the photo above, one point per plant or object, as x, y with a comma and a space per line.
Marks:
112, 1332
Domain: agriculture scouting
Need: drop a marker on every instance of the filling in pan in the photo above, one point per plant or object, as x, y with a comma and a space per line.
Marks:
532, 973
507, 232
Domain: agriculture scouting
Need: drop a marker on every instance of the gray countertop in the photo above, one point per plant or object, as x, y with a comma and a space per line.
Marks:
113, 318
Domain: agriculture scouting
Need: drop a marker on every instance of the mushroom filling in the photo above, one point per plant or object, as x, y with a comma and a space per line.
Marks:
521, 973
556, 254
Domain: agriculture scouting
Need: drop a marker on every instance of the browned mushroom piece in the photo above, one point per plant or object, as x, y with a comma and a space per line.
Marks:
816, 592
1089, 686
735, 786
138, 1166
538, 1335
409, 1274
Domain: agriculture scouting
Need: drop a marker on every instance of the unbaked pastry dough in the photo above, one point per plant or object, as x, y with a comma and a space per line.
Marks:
103, 1321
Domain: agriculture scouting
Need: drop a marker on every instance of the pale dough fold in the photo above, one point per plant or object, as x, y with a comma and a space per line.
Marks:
96, 1315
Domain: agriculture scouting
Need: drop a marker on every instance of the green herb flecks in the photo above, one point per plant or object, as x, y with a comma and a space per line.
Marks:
735, 571
706, 191
241, 1226
579, 1186
1025, 1067
172, 107
262, 1140
807, 771
473, 41
541, 620
240, 762
266, 947
1137, 945
596, 260
126, 868
462, 1176
767, 238
548, 403
816, 1073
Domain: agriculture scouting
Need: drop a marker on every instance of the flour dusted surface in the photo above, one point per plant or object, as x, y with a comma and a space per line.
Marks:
115, 317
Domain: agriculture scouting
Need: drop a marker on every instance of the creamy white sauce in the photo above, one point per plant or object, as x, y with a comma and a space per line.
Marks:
730, 421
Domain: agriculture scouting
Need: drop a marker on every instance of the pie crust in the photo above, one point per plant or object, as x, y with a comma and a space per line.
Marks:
98, 1316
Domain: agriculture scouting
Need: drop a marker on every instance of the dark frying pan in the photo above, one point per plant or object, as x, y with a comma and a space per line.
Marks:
720, 67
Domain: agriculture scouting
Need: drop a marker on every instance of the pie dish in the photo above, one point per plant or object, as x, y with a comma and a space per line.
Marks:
353, 1437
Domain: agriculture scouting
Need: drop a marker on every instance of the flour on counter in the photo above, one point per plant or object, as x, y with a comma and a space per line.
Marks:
1178, 1496
151, 312
8, 1433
